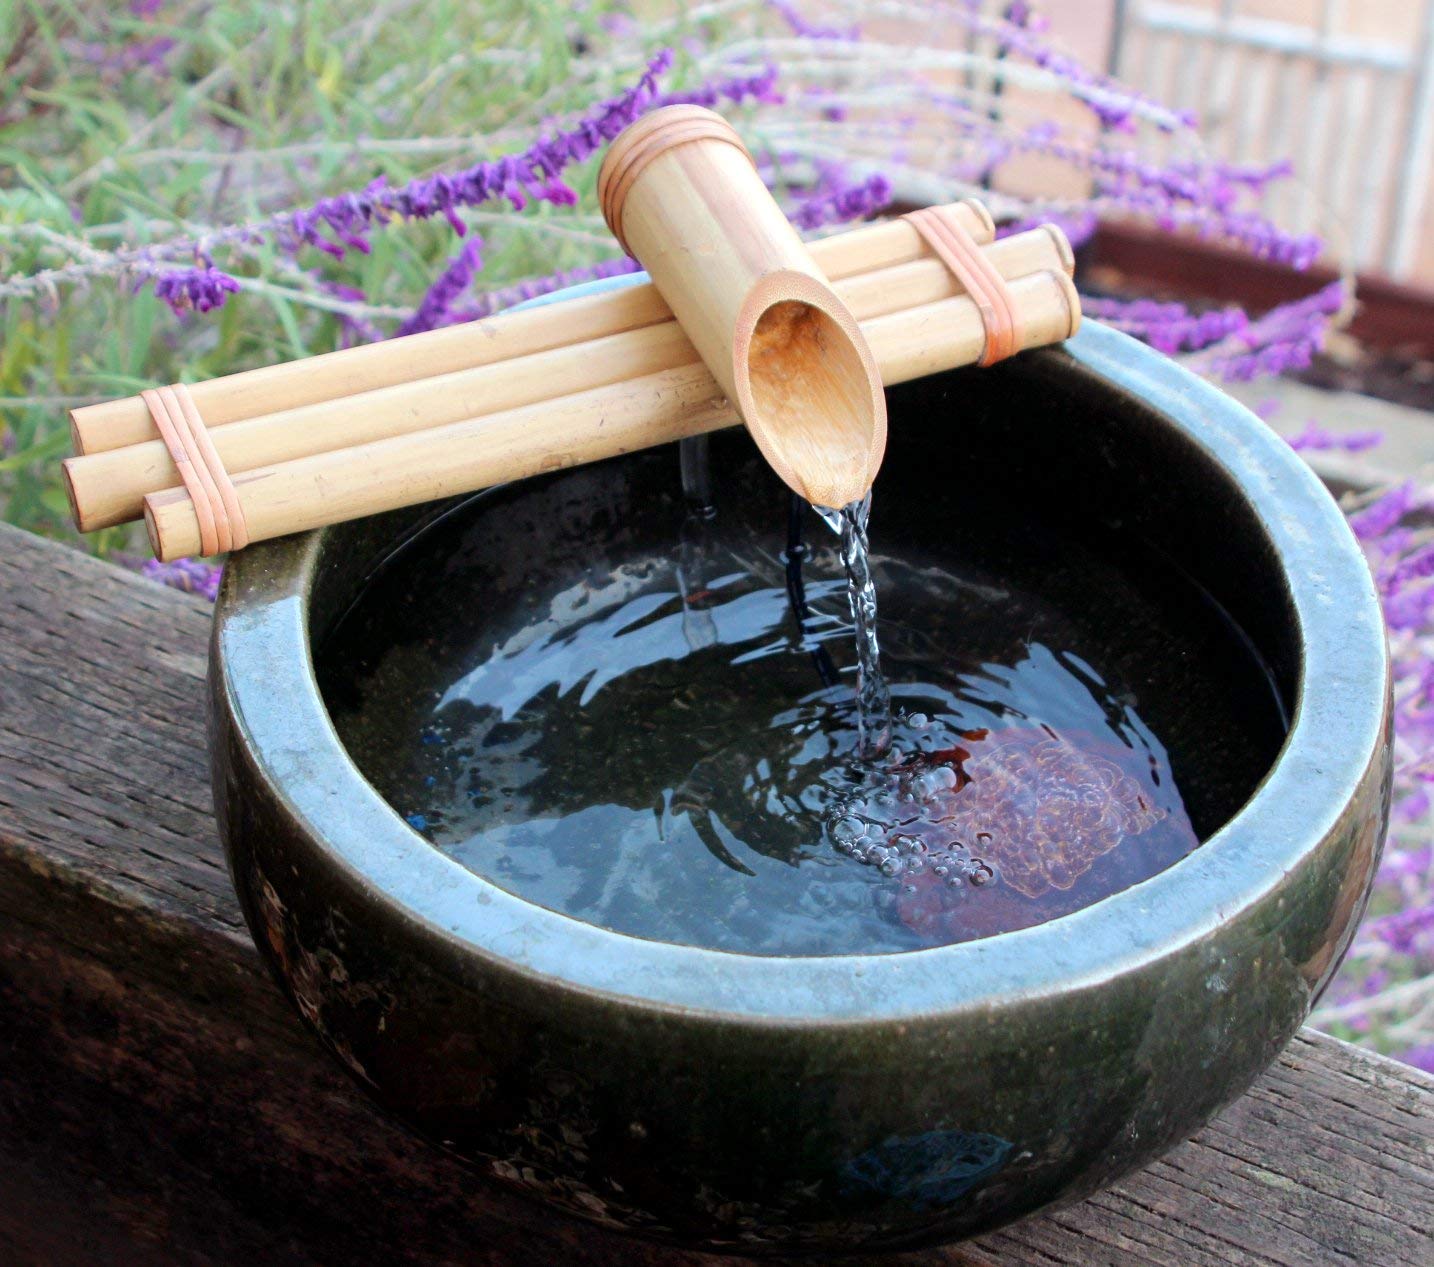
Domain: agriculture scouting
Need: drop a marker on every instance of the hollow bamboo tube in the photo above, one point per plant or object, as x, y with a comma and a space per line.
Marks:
109, 488
585, 427
114, 424
681, 193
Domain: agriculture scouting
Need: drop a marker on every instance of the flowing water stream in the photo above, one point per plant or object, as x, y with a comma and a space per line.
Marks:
873, 698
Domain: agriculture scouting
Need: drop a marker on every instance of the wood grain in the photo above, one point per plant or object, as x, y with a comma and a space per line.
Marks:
160, 1103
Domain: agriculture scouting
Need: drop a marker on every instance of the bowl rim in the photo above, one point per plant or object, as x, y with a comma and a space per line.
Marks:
262, 653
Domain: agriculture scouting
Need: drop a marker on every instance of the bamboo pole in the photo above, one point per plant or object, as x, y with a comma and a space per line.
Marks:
222, 401
109, 488
585, 427
681, 193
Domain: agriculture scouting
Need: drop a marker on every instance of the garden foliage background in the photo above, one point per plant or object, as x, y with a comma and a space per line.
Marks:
188, 188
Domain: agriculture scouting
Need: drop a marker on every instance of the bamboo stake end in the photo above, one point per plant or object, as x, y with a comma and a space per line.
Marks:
77, 434
168, 516
983, 213
1064, 252
1072, 298
67, 477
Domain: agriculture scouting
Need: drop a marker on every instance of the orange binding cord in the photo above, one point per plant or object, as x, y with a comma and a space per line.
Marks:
957, 249
216, 502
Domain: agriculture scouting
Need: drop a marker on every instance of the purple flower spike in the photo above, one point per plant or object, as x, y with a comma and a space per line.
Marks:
1377, 520
496, 300
1421, 1057
193, 576
342, 223
433, 311
1315, 437
515, 177
754, 88
793, 17
202, 288
844, 203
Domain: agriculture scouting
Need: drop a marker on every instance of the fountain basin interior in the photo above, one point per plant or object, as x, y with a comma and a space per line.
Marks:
812, 1098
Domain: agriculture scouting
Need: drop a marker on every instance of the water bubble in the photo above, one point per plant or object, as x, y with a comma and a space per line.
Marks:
982, 874
892, 866
846, 830
918, 721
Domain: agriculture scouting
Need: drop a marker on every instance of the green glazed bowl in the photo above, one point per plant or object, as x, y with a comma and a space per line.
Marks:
834, 1104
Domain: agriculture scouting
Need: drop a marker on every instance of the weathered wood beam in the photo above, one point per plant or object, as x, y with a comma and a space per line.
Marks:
160, 1103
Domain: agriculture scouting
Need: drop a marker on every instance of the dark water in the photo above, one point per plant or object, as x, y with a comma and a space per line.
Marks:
653, 738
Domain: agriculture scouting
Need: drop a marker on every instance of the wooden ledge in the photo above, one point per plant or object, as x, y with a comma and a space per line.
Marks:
160, 1103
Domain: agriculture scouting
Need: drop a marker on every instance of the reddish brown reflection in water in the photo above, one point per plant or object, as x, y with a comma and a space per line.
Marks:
1041, 822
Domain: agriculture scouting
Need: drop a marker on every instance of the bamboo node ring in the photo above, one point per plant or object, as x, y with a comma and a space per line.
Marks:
648, 139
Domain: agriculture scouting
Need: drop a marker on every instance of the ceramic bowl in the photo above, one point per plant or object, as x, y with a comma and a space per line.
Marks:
841, 1103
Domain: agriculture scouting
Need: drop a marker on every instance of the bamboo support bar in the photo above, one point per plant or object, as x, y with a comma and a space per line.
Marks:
584, 427
334, 375
108, 488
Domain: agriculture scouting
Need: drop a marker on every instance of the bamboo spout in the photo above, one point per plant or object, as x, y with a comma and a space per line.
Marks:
679, 190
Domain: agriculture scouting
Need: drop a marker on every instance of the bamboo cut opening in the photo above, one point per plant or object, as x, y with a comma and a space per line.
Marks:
813, 402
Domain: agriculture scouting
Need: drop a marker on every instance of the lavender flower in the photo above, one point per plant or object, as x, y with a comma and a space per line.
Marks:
339, 224
839, 202
518, 177
1284, 339
1408, 932
760, 87
434, 308
193, 576
1421, 1057
790, 14
1379, 519
1316, 437
201, 288
1078, 224
1168, 327
507, 296
1112, 103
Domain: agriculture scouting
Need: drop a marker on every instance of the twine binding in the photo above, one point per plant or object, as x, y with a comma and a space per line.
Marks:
216, 502
957, 249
